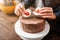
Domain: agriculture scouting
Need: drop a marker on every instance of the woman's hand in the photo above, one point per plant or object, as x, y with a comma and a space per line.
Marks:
20, 9
47, 12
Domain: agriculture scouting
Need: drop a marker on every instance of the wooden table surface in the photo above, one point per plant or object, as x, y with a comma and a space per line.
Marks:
7, 31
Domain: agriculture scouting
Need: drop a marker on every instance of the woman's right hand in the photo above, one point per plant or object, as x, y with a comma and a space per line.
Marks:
20, 9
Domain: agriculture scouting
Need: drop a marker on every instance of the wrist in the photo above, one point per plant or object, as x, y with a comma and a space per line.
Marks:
54, 16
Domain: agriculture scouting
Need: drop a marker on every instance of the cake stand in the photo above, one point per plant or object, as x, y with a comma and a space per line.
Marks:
30, 36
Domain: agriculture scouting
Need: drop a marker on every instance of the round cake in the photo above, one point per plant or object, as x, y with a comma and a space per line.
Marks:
32, 25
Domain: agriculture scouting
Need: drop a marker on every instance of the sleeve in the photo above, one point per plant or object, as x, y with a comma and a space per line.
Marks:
28, 3
57, 13
39, 3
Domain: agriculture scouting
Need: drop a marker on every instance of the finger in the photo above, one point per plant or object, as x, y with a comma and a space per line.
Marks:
22, 7
49, 17
49, 8
17, 13
46, 11
44, 14
37, 10
18, 10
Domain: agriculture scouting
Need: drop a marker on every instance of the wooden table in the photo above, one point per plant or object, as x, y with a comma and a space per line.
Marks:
7, 31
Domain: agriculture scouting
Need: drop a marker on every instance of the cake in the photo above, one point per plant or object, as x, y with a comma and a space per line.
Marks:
32, 25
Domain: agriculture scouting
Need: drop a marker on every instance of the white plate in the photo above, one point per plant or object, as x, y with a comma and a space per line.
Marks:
20, 32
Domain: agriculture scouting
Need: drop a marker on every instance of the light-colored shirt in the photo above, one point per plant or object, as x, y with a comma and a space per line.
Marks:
39, 3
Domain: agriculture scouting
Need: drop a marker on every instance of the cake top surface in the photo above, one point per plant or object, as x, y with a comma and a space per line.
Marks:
32, 20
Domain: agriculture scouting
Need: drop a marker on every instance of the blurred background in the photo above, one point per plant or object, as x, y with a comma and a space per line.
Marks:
8, 6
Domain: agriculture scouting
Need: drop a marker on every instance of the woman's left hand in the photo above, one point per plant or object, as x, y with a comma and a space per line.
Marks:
47, 12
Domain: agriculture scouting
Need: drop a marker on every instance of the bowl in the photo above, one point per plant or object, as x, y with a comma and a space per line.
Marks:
8, 9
